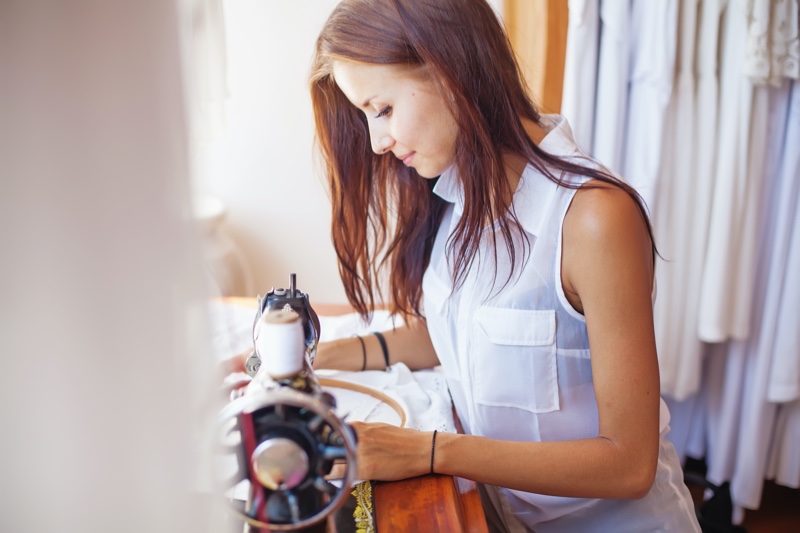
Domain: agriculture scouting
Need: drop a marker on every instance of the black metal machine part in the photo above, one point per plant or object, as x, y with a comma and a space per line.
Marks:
323, 445
277, 299
320, 444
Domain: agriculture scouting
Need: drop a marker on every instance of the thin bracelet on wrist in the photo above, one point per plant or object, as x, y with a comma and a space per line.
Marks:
363, 352
385, 350
433, 449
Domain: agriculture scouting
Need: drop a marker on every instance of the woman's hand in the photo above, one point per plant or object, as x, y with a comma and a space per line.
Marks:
389, 453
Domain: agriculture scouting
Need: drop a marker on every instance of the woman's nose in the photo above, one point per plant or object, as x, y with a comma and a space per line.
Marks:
382, 142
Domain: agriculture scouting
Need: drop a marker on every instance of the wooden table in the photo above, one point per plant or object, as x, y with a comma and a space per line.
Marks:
427, 503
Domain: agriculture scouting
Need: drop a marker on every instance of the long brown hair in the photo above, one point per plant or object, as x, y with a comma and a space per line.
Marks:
466, 53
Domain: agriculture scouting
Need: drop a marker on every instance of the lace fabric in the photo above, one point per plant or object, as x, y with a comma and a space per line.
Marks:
773, 40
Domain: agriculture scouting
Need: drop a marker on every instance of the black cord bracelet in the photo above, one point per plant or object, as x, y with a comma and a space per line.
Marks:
363, 352
433, 448
382, 341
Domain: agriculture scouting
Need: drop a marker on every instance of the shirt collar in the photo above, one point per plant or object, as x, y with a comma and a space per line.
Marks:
448, 189
534, 189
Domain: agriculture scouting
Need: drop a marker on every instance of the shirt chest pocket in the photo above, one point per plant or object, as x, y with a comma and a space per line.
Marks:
515, 358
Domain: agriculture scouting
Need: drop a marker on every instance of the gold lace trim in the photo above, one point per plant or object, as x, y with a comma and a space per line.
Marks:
363, 511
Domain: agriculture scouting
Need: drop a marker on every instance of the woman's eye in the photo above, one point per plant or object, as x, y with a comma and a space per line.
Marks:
384, 112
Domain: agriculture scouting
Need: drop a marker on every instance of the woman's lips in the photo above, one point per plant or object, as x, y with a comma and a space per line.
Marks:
407, 159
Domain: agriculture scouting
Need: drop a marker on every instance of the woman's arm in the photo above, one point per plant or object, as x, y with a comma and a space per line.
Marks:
408, 344
607, 271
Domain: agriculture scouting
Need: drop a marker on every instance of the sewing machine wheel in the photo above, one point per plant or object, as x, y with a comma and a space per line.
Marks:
285, 443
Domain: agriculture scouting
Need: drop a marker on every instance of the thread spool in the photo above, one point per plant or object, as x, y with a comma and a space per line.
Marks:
281, 344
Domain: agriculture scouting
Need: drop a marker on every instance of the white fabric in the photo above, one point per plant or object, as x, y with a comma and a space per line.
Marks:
773, 43
724, 309
423, 395
653, 48
784, 375
680, 214
518, 363
707, 129
612, 83
580, 69
784, 461
746, 434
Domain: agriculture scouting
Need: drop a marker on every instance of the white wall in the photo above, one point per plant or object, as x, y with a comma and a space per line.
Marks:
262, 168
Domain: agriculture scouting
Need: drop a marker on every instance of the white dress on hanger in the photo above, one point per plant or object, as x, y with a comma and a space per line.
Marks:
706, 131
677, 219
718, 318
690, 420
653, 42
759, 414
612, 83
784, 377
741, 421
580, 70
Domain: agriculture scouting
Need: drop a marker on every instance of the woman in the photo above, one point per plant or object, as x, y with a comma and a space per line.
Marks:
522, 267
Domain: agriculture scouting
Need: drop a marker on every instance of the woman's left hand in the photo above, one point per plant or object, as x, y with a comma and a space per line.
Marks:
389, 453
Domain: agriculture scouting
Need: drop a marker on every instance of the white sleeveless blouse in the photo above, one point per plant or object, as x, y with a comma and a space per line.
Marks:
517, 359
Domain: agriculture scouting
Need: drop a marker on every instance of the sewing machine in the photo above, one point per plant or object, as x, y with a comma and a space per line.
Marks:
282, 428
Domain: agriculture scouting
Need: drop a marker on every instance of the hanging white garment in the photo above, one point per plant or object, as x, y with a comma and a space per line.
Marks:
580, 70
785, 40
744, 258
724, 380
757, 426
773, 44
653, 43
706, 131
784, 336
784, 461
784, 378
758, 415
718, 319
680, 214
612, 83
741, 420
757, 63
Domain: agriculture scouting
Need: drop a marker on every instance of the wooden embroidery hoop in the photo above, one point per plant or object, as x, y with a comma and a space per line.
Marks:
369, 391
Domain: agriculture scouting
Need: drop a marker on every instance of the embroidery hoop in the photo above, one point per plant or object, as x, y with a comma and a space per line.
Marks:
369, 391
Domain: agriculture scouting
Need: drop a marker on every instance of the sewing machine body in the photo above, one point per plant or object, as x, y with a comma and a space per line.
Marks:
283, 429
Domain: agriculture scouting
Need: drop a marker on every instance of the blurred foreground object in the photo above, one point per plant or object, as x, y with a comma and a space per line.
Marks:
102, 328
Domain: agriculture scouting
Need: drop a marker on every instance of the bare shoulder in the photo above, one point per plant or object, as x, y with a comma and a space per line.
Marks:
602, 211
605, 233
